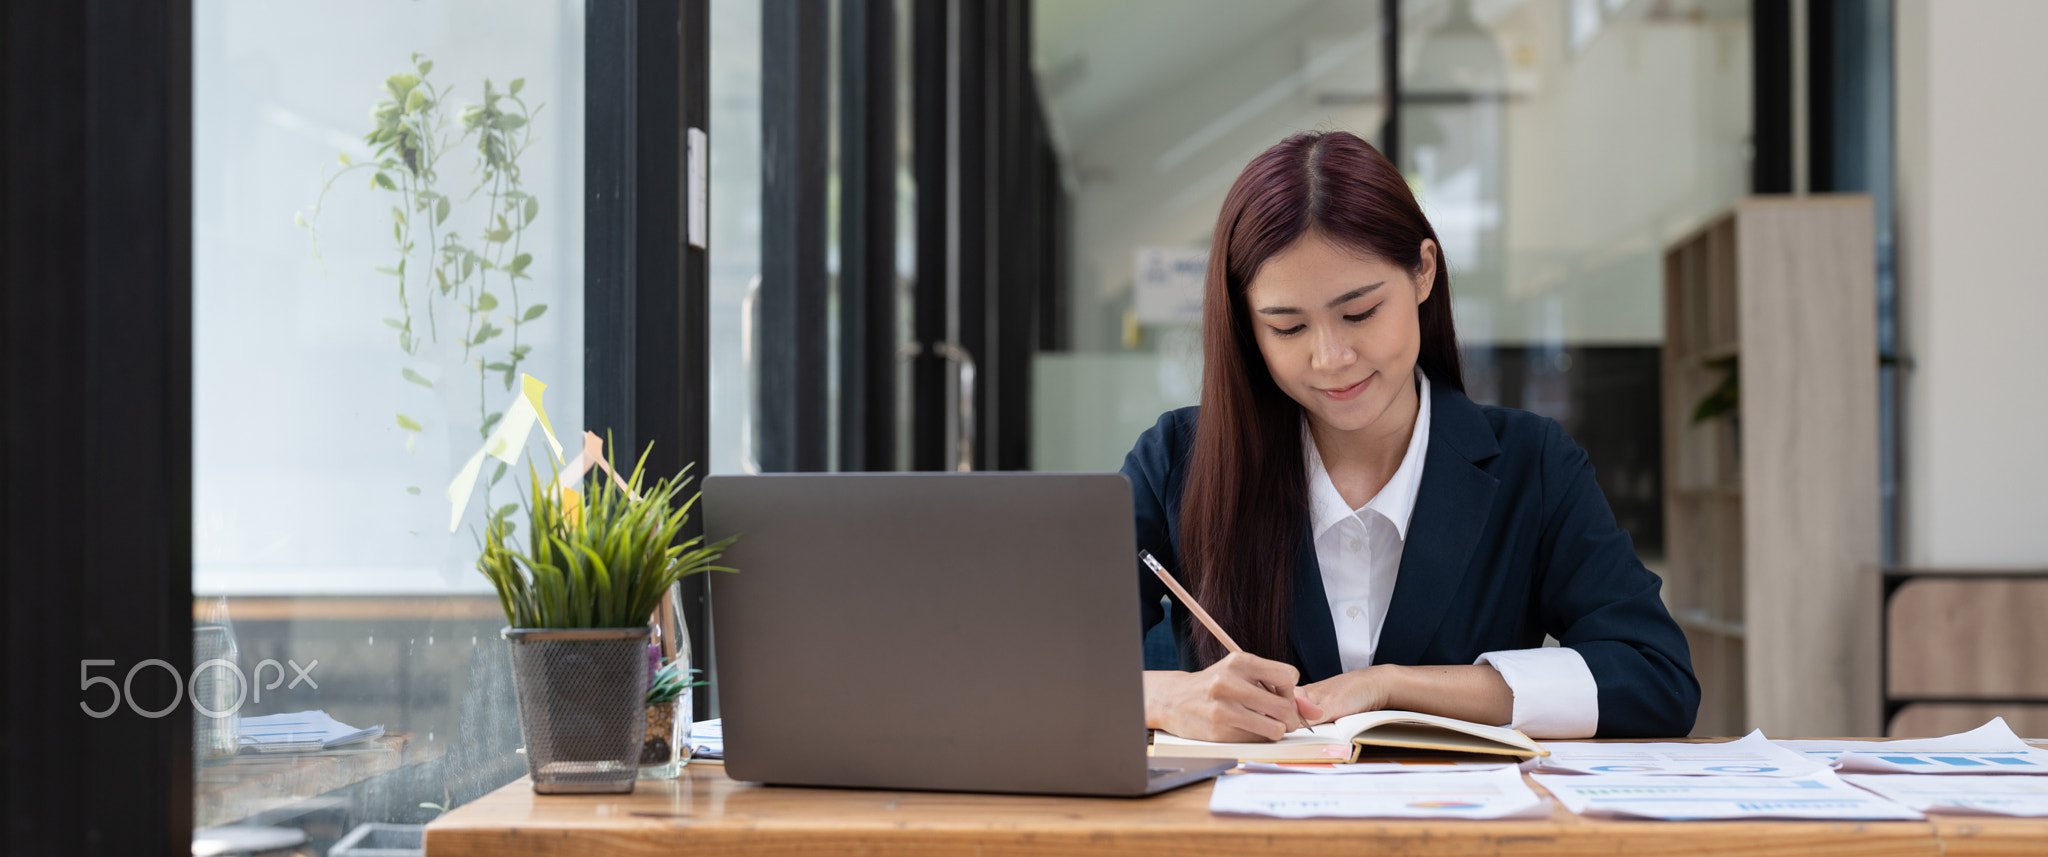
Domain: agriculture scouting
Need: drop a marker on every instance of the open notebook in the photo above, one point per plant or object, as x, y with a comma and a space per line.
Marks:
1347, 738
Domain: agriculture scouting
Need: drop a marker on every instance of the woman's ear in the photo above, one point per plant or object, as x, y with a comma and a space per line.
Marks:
1426, 275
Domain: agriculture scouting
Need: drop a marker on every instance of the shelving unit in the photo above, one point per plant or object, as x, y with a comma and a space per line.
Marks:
1771, 512
1962, 646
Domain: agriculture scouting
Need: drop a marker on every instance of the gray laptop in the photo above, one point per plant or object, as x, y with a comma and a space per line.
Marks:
945, 631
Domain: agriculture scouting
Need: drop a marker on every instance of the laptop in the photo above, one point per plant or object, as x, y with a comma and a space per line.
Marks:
939, 631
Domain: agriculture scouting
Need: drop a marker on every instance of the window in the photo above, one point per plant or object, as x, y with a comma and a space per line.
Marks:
388, 234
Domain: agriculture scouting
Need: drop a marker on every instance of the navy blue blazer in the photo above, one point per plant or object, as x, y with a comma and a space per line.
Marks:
1510, 540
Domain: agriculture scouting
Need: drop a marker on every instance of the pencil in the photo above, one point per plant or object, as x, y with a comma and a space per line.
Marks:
1195, 607
1189, 600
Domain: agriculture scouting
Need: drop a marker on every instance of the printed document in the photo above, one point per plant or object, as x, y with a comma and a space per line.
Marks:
1819, 796
1961, 795
300, 732
1416, 766
707, 740
1752, 755
1471, 794
1988, 749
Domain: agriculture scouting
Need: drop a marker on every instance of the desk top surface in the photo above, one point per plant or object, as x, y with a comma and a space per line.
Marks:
706, 812
230, 790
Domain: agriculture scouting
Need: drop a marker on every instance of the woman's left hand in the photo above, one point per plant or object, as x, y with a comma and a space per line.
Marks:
1368, 689
1474, 692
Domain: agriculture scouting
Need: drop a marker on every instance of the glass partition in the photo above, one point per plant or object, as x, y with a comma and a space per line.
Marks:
388, 235
1558, 148
1154, 107
1556, 145
736, 232
737, 336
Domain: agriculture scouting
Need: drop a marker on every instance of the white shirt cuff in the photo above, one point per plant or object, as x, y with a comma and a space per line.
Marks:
1555, 695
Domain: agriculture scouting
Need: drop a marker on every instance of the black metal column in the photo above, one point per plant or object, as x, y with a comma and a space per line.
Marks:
1821, 101
610, 217
1771, 125
867, 236
646, 354
931, 76
1390, 57
975, 255
692, 403
1016, 210
794, 360
96, 374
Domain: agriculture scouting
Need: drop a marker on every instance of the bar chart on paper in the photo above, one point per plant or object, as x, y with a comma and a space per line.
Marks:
1820, 796
1752, 755
1988, 749
1966, 795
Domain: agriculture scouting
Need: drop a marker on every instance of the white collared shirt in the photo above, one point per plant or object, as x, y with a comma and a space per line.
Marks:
1359, 551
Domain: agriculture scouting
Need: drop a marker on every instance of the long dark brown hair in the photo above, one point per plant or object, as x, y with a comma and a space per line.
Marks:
1245, 505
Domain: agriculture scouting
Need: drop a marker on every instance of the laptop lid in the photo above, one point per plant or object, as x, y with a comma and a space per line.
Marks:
948, 631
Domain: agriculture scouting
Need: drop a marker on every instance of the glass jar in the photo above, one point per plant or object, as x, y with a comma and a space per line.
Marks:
665, 749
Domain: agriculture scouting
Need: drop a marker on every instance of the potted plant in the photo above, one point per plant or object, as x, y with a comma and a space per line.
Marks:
577, 602
666, 748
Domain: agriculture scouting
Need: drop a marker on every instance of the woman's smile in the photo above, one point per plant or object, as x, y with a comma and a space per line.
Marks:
1345, 394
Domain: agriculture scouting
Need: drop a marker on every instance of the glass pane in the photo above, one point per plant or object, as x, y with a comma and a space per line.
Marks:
736, 215
835, 84
735, 230
735, 253
906, 231
1557, 147
387, 210
1155, 106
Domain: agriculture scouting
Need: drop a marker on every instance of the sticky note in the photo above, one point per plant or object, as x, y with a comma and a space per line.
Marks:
504, 443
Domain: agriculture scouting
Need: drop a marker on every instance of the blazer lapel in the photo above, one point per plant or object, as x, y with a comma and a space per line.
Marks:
1451, 509
1313, 634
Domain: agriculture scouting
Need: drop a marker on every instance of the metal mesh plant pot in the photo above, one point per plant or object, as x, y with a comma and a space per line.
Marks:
581, 698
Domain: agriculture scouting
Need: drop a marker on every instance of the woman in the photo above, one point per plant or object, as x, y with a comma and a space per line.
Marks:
1371, 537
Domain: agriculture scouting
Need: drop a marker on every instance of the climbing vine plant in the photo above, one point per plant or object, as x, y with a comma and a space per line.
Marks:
472, 291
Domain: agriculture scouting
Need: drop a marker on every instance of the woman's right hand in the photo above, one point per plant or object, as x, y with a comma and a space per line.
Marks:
1240, 698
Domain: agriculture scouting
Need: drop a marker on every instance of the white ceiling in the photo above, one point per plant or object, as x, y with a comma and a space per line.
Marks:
1097, 58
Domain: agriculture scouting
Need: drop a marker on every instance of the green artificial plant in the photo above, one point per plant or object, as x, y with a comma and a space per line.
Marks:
597, 561
670, 681
1726, 396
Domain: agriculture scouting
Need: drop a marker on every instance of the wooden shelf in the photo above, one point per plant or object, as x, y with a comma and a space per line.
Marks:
1704, 356
1717, 492
1771, 516
1701, 621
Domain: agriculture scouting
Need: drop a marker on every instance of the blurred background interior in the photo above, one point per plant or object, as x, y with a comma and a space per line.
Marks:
946, 234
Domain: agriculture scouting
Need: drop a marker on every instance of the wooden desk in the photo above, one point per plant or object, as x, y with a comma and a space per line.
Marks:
706, 813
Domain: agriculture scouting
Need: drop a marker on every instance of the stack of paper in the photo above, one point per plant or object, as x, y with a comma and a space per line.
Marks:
707, 740
1757, 778
1752, 777
300, 732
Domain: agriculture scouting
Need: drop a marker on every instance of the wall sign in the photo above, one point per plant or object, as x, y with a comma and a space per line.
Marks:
1167, 284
